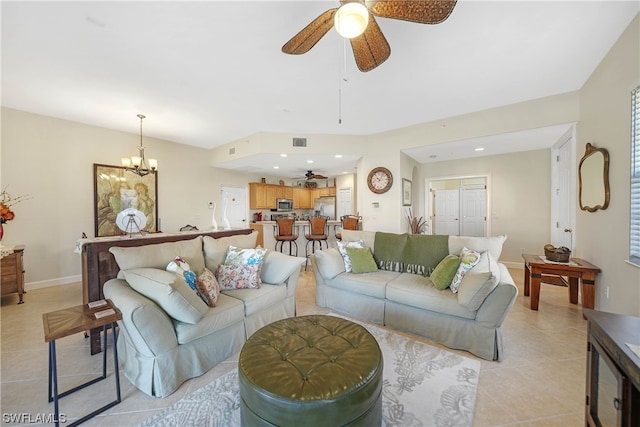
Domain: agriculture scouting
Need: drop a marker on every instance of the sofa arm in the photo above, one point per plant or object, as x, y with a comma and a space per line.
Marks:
278, 268
148, 327
495, 307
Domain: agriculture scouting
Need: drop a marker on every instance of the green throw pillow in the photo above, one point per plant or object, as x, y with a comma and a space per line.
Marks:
445, 270
361, 260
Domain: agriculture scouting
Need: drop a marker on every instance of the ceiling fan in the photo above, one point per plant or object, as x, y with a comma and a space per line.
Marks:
355, 19
311, 175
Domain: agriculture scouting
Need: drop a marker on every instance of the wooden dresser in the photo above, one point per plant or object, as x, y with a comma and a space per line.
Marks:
12, 273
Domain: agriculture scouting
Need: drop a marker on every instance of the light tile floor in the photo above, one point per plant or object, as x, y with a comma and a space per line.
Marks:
541, 382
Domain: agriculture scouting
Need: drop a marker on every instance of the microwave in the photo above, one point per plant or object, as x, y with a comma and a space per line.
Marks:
284, 205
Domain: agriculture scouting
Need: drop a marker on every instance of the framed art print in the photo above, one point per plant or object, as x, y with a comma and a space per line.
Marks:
406, 192
116, 189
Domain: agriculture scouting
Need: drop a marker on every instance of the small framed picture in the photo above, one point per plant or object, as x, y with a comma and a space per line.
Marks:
406, 192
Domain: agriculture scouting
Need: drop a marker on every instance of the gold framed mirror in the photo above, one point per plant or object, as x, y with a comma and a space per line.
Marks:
593, 175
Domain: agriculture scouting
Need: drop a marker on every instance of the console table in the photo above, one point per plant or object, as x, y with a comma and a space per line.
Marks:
12, 273
613, 370
576, 269
99, 265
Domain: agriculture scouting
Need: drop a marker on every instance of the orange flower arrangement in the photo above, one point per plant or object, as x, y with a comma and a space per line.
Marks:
6, 201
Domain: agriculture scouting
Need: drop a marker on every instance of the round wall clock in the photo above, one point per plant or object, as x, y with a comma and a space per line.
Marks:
380, 180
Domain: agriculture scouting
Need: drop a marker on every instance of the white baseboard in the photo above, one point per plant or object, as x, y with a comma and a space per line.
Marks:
52, 282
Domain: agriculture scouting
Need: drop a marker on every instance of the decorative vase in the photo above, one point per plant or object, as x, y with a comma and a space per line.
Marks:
225, 221
214, 224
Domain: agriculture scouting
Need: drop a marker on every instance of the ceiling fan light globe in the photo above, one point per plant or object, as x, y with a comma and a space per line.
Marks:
351, 19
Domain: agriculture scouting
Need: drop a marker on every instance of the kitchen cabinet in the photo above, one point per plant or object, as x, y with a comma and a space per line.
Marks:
272, 195
259, 229
258, 196
302, 198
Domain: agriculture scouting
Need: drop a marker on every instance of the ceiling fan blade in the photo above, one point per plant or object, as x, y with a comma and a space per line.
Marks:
420, 11
310, 35
371, 48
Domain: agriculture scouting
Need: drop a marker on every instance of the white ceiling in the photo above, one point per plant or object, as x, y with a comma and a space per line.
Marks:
207, 73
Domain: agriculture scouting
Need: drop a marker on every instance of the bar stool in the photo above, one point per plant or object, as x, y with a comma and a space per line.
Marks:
317, 233
349, 222
286, 231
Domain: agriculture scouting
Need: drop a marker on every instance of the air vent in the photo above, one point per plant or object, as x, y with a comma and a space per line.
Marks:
299, 142
232, 150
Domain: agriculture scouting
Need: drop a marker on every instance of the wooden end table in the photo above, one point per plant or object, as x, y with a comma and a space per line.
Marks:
576, 269
69, 321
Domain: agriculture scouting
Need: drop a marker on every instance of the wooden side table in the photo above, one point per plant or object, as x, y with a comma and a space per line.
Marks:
577, 269
69, 321
12, 273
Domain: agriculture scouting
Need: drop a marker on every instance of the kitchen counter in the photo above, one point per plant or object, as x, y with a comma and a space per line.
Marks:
268, 228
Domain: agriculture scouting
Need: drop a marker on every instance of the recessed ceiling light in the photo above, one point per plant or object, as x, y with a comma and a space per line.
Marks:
283, 155
309, 161
338, 156
276, 167
480, 149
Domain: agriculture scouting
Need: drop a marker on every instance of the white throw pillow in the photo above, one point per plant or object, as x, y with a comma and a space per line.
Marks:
342, 247
492, 244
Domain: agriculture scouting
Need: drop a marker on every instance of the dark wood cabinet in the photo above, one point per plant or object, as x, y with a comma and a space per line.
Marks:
613, 370
12, 273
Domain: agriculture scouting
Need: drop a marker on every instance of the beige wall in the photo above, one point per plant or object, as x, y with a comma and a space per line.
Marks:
519, 196
605, 103
52, 161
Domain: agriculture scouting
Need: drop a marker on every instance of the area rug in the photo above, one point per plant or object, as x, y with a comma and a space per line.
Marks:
423, 386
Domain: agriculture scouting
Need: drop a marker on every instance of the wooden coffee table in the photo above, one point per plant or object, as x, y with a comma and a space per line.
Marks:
576, 269
61, 323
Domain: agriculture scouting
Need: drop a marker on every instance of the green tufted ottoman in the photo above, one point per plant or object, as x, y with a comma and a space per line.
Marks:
311, 371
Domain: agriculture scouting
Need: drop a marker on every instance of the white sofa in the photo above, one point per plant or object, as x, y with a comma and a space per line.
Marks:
394, 297
158, 352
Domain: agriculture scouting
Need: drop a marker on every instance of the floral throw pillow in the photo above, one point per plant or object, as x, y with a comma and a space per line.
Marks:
342, 247
239, 276
208, 287
468, 259
240, 256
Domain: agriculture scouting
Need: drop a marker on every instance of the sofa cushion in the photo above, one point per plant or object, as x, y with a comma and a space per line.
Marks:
468, 259
257, 300
239, 276
227, 312
371, 284
474, 289
330, 263
368, 237
361, 260
444, 272
215, 250
169, 291
480, 244
208, 287
277, 267
159, 254
418, 291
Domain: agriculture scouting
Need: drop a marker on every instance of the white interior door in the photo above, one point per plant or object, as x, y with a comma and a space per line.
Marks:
344, 202
474, 212
235, 201
447, 212
561, 227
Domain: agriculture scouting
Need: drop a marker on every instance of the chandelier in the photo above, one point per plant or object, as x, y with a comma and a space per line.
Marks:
138, 164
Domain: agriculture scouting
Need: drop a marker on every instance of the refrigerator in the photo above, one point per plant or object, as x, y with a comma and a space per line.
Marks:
325, 206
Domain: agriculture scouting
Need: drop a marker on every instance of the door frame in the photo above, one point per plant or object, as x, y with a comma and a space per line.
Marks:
428, 196
568, 138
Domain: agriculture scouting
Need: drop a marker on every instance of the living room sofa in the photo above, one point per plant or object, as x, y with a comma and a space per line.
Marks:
401, 294
168, 337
